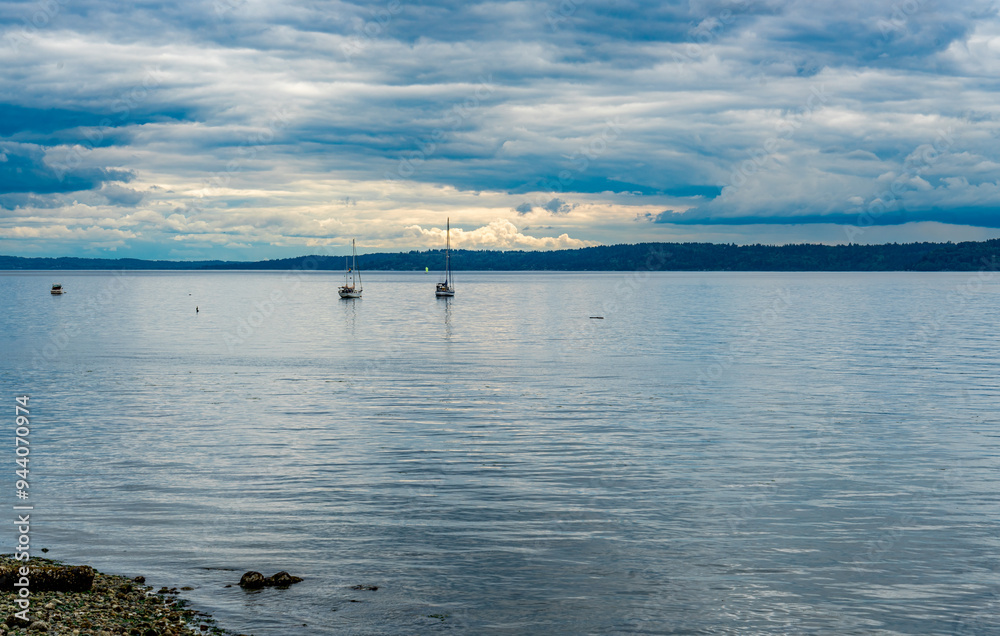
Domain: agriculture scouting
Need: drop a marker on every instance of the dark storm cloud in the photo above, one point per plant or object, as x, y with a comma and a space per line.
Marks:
60, 126
24, 169
557, 206
980, 217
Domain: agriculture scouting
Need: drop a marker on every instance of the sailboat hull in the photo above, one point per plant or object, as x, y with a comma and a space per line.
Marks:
349, 293
444, 289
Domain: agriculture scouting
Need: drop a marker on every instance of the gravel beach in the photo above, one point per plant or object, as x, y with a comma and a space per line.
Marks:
111, 605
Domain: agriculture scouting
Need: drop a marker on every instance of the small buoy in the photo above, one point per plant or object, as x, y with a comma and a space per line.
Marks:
195, 310
597, 317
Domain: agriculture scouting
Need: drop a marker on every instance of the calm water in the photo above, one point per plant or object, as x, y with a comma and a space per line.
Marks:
721, 454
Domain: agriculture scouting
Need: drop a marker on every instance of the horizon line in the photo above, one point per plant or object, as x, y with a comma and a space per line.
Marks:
501, 250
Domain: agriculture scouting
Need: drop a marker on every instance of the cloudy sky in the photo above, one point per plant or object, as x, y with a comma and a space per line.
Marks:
245, 129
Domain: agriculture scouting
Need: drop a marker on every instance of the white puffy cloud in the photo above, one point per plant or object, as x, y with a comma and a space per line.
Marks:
500, 234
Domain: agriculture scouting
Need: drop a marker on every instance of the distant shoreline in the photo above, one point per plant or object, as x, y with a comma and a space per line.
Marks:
486, 271
678, 257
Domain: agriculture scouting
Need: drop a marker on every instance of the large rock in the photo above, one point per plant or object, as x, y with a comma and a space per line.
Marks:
253, 581
48, 577
256, 580
282, 579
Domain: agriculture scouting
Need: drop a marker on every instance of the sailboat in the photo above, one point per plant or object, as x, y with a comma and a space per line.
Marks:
446, 288
353, 288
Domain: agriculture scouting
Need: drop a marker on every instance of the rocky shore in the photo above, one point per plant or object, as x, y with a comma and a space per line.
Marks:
79, 601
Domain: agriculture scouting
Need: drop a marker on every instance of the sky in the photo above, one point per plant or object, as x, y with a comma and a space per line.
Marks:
249, 130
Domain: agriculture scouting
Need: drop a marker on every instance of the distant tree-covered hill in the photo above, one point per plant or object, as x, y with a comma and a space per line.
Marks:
968, 256
69, 262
